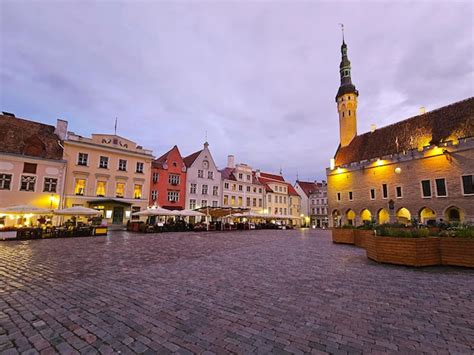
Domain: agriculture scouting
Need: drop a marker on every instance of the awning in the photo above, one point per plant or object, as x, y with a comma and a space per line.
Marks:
219, 212
77, 211
109, 200
25, 209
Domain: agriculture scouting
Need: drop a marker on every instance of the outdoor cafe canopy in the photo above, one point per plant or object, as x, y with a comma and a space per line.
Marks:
77, 211
189, 213
155, 211
220, 212
25, 209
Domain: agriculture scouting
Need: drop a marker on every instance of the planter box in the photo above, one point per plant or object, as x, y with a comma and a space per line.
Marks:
457, 251
404, 251
342, 235
360, 237
8, 235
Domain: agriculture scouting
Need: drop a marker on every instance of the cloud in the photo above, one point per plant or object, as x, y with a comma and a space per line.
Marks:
259, 77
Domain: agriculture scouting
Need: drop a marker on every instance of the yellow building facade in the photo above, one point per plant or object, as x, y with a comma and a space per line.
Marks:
108, 173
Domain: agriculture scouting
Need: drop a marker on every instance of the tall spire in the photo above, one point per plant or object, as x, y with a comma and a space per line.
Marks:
345, 71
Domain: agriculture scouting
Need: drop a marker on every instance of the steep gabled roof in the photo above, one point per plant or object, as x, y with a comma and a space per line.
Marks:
292, 191
158, 163
189, 160
228, 174
29, 138
455, 121
309, 187
279, 178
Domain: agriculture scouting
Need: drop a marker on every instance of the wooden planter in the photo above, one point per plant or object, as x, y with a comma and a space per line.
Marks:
457, 251
360, 237
343, 235
7, 235
404, 251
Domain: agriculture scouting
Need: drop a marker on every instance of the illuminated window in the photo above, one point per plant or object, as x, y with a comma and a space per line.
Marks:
240, 201
441, 190
50, 185
226, 200
120, 189
80, 187
100, 190
232, 200
137, 191
426, 188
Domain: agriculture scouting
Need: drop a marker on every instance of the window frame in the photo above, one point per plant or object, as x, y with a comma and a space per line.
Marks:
34, 183
10, 182
431, 189
375, 194
79, 160
85, 186
385, 189
100, 162
445, 187
55, 187
396, 191
462, 184
142, 167
119, 167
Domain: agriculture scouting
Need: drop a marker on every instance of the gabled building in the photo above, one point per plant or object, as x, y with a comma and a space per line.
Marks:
203, 180
109, 173
420, 168
168, 181
240, 187
276, 193
314, 202
294, 207
32, 168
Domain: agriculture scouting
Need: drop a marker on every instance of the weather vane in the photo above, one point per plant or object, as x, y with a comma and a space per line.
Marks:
342, 30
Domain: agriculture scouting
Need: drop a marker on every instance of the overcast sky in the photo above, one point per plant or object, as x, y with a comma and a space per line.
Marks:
259, 77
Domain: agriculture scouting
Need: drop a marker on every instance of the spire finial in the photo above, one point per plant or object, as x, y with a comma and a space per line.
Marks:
342, 30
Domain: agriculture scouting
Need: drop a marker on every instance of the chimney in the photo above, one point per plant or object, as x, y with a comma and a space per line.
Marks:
230, 161
422, 110
61, 129
373, 127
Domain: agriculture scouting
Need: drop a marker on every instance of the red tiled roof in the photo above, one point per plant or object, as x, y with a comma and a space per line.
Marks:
19, 136
272, 176
189, 160
228, 174
434, 127
292, 191
309, 187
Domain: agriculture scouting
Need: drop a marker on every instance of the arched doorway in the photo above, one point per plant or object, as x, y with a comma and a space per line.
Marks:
454, 214
351, 217
383, 216
427, 216
336, 218
366, 216
403, 216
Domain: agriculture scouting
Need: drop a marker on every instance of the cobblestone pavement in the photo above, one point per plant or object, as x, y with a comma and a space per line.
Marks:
235, 292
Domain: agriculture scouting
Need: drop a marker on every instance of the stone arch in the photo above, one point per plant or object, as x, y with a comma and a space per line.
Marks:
383, 216
403, 215
336, 218
365, 215
351, 217
427, 216
454, 214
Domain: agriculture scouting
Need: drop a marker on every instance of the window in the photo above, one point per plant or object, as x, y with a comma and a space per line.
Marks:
241, 188
155, 177
5, 181
100, 189
234, 187
200, 173
27, 183
214, 203
210, 175
280, 199
173, 196
254, 202
120, 189
103, 162
269, 198
203, 203
350, 196
260, 190
248, 188
82, 159
384, 191
193, 188
154, 195
173, 179
232, 200
259, 202
248, 177
339, 196
137, 191
122, 165
215, 190
192, 204
226, 185
139, 168
204, 190
248, 202
468, 184
29, 168
80, 187
372, 194
284, 199
240, 200
241, 176
50, 184
426, 188
226, 200
398, 191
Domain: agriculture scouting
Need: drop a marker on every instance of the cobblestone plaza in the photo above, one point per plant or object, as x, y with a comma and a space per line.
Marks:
235, 292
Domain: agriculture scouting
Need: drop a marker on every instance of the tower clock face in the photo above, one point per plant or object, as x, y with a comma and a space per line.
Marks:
205, 164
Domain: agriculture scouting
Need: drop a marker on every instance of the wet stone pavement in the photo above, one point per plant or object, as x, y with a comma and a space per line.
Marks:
236, 292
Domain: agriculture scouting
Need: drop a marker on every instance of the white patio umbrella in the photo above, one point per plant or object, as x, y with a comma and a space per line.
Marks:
190, 213
77, 211
25, 209
155, 211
